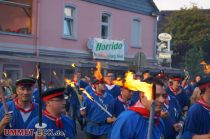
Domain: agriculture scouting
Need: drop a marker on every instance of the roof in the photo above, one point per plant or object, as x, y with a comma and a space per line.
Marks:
146, 7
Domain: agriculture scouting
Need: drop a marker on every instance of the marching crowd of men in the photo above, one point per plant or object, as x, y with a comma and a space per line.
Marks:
105, 109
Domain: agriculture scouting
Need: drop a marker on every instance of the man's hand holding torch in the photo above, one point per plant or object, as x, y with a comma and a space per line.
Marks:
8, 115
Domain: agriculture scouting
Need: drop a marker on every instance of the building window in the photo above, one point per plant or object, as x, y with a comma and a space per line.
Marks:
12, 72
69, 21
68, 73
105, 26
15, 16
135, 33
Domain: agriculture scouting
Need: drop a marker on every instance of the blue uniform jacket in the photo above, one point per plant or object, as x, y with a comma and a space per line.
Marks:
68, 131
116, 107
17, 120
115, 91
174, 110
181, 97
131, 125
197, 121
96, 117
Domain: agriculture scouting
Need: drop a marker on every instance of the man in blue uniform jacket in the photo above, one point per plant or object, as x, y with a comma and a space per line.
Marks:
62, 127
98, 121
172, 121
111, 88
22, 108
197, 123
121, 103
74, 101
175, 89
134, 123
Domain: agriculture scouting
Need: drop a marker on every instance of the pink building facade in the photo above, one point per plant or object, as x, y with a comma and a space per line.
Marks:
59, 33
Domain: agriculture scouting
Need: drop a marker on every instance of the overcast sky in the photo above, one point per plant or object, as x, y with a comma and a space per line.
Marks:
177, 4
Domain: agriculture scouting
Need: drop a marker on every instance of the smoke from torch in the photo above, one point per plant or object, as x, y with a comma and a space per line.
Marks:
137, 85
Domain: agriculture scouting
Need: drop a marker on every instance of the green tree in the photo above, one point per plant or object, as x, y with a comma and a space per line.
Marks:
189, 28
192, 61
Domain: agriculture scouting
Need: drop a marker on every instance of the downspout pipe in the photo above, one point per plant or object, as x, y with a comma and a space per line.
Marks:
37, 28
155, 17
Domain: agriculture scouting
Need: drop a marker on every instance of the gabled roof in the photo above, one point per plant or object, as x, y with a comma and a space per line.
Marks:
146, 7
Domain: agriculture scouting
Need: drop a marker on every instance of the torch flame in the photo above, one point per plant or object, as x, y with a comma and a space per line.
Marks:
86, 93
37, 72
54, 73
206, 67
106, 80
69, 82
203, 62
73, 65
5, 74
97, 73
137, 85
207, 71
118, 82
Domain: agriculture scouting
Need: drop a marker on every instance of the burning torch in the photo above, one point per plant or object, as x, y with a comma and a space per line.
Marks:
149, 91
92, 99
152, 113
2, 87
40, 125
69, 82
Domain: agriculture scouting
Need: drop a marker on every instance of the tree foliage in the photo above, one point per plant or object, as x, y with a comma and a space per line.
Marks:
193, 59
189, 28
